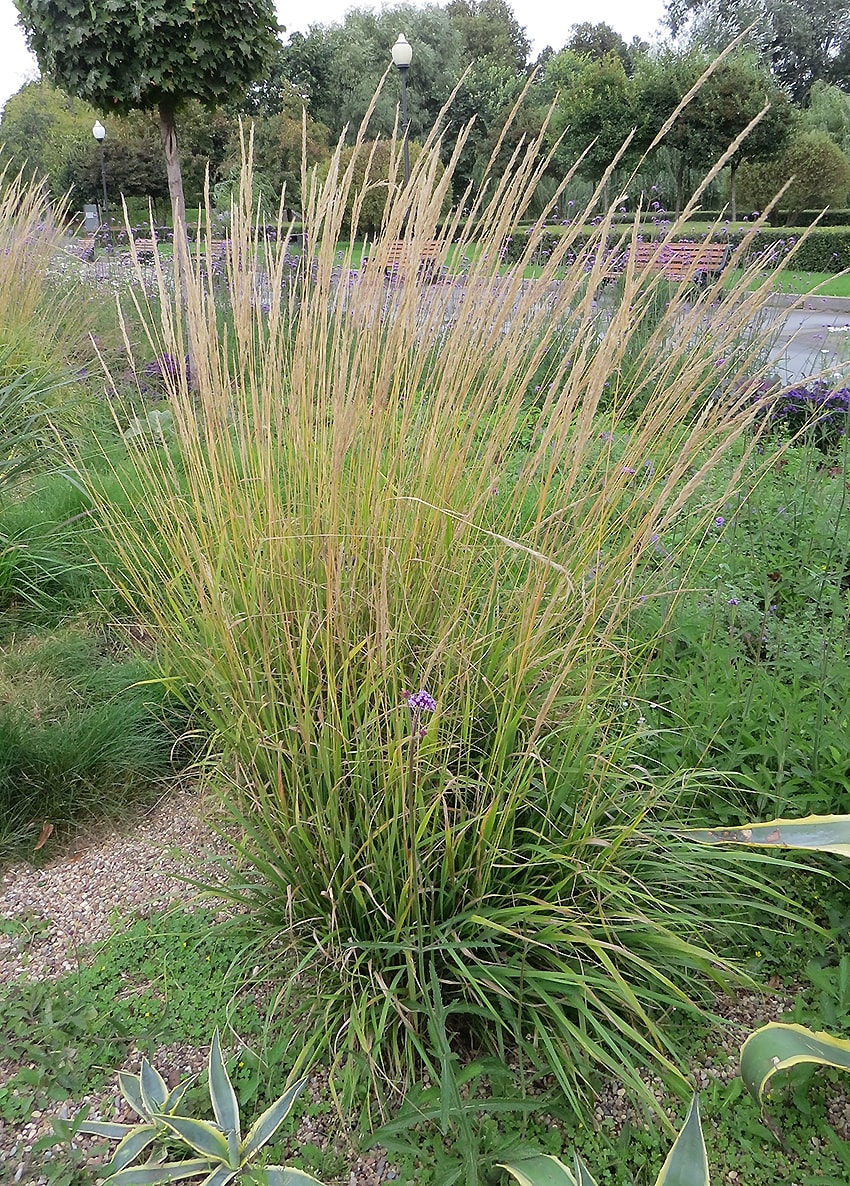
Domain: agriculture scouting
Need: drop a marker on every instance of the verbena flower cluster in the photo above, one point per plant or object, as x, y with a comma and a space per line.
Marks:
817, 412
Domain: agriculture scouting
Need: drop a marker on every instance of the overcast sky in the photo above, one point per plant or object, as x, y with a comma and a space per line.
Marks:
547, 22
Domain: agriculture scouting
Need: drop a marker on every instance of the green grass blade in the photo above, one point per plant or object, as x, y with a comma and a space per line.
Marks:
818, 833
687, 1161
777, 1046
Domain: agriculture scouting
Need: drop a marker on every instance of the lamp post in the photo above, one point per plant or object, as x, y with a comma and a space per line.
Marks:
99, 133
402, 54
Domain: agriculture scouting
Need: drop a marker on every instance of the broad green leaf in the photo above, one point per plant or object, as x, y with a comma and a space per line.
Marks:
266, 1125
136, 1140
131, 1090
539, 1171
687, 1162
169, 1171
102, 1128
223, 1096
583, 1175
777, 1046
202, 1136
153, 1087
820, 833
284, 1175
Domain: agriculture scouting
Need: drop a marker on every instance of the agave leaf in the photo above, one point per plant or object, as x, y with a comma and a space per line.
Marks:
169, 1171
687, 1162
202, 1136
136, 1140
543, 1170
778, 1046
583, 1175
220, 1176
153, 1087
266, 1125
102, 1128
820, 833
223, 1096
175, 1097
285, 1175
132, 1092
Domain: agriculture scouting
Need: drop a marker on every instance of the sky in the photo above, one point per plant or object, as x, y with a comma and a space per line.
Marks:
547, 22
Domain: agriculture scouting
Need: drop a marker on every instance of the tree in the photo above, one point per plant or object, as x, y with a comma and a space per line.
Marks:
336, 68
372, 172
828, 111
801, 41
595, 41
489, 31
726, 103
595, 109
46, 133
820, 170
152, 55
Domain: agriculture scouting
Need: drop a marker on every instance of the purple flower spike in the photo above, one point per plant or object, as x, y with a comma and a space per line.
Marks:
421, 701
734, 601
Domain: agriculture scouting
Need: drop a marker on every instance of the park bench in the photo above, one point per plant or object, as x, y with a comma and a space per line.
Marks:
404, 258
697, 262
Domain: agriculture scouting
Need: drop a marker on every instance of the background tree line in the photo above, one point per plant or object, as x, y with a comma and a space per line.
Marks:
598, 88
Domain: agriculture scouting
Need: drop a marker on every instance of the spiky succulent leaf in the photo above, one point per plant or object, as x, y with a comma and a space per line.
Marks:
817, 833
169, 1171
175, 1097
542, 1170
153, 1087
223, 1096
220, 1176
266, 1125
687, 1161
102, 1128
134, 1143
202, 1136
583, 1175
777, 1046
284, 1175
132, 1092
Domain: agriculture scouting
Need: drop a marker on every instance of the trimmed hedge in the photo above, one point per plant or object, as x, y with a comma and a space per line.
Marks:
826, 249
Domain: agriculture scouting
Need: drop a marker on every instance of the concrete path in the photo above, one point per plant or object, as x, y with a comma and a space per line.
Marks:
815, 337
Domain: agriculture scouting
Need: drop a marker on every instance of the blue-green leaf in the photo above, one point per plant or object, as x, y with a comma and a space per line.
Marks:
779, 1045
136, 1140
687, 1162
266, 1125
223, 1096
102, 1128
131, 1090
284, 1175
170, 1171
540, 1171
153, 1087
220, 1176
582, 1173
202, 1136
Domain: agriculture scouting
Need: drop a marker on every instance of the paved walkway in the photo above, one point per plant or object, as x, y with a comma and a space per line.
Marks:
814, 337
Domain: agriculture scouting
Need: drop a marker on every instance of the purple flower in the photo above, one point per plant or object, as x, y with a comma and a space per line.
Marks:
719, 521
420, 701
733, 601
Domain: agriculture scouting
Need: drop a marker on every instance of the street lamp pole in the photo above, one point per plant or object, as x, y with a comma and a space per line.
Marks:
402, 54
99, 133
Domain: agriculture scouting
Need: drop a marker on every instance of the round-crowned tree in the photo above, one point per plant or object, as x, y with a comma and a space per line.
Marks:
152, 54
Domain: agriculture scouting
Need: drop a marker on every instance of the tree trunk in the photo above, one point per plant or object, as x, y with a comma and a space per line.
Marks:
168, 131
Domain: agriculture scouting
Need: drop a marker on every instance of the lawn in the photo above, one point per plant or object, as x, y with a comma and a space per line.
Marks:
462, 603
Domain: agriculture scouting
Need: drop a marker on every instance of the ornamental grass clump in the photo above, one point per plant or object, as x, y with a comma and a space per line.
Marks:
395, 578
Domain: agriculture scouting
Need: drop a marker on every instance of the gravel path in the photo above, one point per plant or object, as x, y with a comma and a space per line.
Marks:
72, 903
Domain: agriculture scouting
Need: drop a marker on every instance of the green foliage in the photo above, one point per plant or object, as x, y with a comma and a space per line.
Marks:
820, 172
220, 1151
686, 1164
48, 134
116, 58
